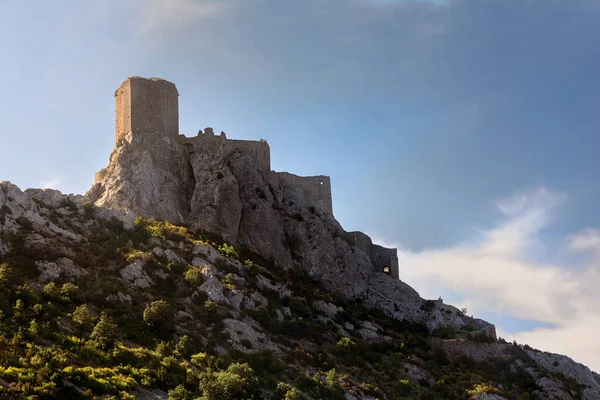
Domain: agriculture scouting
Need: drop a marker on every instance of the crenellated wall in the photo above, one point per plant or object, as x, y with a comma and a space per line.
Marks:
207, 141
317, 189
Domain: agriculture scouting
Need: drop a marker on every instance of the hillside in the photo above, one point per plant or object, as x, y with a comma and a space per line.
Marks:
191, 270
99, 303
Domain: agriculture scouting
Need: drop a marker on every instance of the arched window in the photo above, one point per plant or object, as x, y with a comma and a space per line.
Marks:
386, 270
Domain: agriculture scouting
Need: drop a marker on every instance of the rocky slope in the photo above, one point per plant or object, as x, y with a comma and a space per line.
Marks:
98, 303
210, 186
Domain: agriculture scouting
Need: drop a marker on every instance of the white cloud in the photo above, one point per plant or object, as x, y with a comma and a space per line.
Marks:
494, 272
588, 240
162, 14
53, 183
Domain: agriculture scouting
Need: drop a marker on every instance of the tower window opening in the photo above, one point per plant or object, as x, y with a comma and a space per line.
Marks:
386, 270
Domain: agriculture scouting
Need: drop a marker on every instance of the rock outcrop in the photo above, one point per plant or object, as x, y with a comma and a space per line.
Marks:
213, 187
226, 186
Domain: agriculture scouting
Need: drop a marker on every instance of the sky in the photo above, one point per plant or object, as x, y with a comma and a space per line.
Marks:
462, 132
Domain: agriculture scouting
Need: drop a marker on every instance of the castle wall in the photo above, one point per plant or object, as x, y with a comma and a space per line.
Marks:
123, 109
208, 141
383, 259
317, 189
147, 106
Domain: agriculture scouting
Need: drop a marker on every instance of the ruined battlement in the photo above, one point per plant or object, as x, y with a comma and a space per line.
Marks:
207, 141
317, 189
384, 259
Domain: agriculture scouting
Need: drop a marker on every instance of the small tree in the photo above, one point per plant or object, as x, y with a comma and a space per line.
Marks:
106, 332
237, 382
158, 314
51, 290
69, 291
184, 348
180, 393
82, 318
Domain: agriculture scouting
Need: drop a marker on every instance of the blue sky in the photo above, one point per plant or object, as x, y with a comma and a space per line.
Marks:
464, 132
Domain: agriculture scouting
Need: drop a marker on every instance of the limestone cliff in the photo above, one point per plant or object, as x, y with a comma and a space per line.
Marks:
211, 187
226, 186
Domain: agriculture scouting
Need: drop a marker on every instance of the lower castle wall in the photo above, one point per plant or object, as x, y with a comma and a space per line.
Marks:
318, 189
258, 150
381, 257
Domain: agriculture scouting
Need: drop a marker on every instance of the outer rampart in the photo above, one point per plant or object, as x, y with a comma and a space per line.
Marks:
208, 141
383, 259
316, 188
147, 106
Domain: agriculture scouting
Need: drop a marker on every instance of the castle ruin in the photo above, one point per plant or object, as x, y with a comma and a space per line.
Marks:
148, 110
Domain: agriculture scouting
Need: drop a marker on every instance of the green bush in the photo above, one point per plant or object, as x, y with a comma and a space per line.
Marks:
180, 393
237, 382
82, 319
194, 276
106, 332
158, 314
70, 291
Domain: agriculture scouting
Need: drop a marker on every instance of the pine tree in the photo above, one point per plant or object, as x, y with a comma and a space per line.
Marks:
105, 332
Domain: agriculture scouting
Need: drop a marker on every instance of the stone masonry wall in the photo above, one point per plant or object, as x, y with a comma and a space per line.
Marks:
123, 110
147, 106
317, 189
209, 142
383, 259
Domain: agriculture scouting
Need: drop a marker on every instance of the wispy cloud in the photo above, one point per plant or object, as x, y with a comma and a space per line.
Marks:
55, 182
494, 273
155, 15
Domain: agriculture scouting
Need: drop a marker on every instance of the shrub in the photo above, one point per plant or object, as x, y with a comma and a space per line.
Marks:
106, 332
51, 290
82, 318
428, 305
158, 314
194, 276
228, 251
184, 347
180, 393
346, 342
68, 204
236, 382
288, 392
70, 291
229, 281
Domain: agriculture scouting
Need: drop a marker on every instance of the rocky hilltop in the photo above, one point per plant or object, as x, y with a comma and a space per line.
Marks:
227, 187
192, 269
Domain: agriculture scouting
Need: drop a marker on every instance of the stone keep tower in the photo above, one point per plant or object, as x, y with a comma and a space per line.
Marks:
147, 106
